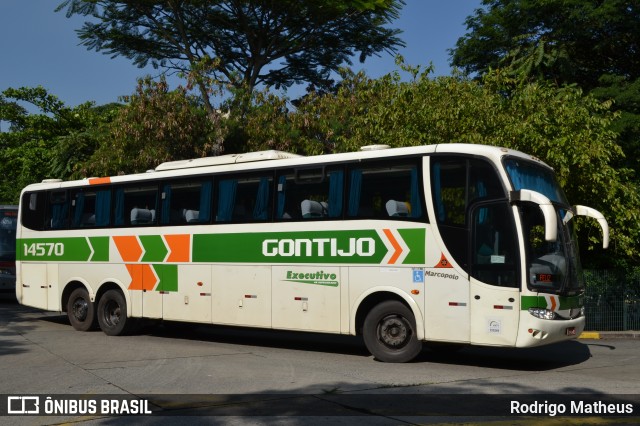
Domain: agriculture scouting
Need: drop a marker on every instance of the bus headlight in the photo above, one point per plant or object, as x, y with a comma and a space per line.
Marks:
543, 313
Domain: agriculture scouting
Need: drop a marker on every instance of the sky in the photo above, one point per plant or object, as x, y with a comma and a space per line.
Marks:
39, 47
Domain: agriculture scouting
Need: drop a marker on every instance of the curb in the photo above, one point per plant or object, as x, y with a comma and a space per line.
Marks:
609, 335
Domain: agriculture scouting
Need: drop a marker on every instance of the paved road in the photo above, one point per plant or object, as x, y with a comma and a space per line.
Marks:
188, 366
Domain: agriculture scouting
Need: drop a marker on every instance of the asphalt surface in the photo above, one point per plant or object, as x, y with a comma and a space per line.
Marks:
191, 373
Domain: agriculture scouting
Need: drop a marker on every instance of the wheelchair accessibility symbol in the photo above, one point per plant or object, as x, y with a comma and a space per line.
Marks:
418, 276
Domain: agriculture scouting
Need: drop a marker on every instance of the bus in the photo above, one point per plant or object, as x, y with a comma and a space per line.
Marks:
8, 224
449, 244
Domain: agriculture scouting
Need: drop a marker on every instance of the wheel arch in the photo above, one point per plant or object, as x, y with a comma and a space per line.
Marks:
376, 295
113, 285
69, 288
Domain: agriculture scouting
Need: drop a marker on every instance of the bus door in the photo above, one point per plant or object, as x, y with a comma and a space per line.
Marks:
493, 274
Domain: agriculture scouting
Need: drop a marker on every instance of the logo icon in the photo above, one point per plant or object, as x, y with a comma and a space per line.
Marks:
23, 405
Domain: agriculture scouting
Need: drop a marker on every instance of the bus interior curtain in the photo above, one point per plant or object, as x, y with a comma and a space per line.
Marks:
260, 209
437, 192
59, 215
336, 178
226, 199
355, 192
526, 178
416, 200
482, 192
103, 207
205, 202
119, 207
79, 209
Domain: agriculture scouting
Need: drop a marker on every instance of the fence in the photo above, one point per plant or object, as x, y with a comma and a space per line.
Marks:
612, 300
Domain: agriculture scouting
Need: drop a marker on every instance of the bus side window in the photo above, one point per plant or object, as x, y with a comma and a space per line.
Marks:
58, 212
33, 210
91, 209
253, 201
310, 194
186, 202
381, 192
136, 206
494, 245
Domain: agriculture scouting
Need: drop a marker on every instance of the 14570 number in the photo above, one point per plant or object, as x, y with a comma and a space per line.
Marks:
44, 249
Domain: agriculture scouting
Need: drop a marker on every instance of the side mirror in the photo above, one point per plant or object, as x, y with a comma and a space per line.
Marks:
547, 208
593, 213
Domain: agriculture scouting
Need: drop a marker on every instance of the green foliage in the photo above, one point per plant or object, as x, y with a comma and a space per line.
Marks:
154, 126
566, 129
75, 148
589, 43
275, 43
567, 41
30, 149
625, 93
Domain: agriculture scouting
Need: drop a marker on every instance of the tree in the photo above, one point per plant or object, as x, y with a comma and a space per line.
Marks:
155, 125
243, 43
625, 94
567, 41
590, 43
30, 149
562, 126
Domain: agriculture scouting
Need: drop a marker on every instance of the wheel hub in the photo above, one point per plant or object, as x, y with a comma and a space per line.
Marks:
393, 331
80, 309
112, 313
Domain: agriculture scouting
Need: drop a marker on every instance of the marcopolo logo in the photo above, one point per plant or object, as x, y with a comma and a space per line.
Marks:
315, 278
319, 247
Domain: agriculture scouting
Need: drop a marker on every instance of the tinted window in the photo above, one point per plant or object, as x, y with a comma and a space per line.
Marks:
310, 194
33, 210
136, 205
91, 208
186, 202
381, 192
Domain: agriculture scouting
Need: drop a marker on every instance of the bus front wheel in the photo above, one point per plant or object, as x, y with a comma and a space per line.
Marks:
81, 310
112, 313
389, 332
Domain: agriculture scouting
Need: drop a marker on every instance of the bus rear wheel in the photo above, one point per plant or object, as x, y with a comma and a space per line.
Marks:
389, 332
81, 310
112, 313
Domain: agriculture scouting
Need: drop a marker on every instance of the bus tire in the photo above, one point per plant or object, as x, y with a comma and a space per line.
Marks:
389, 332
81, 310
112, 313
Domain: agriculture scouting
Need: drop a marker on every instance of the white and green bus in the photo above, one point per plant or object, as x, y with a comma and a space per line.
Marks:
444, 244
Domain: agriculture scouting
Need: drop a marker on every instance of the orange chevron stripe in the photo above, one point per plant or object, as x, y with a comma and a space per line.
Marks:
396, 246
149, 279
553, 303
136, 277
128, 247
142, 277
179, 247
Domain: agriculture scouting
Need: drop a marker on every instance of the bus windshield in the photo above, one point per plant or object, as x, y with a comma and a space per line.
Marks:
553, 267
532, 176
